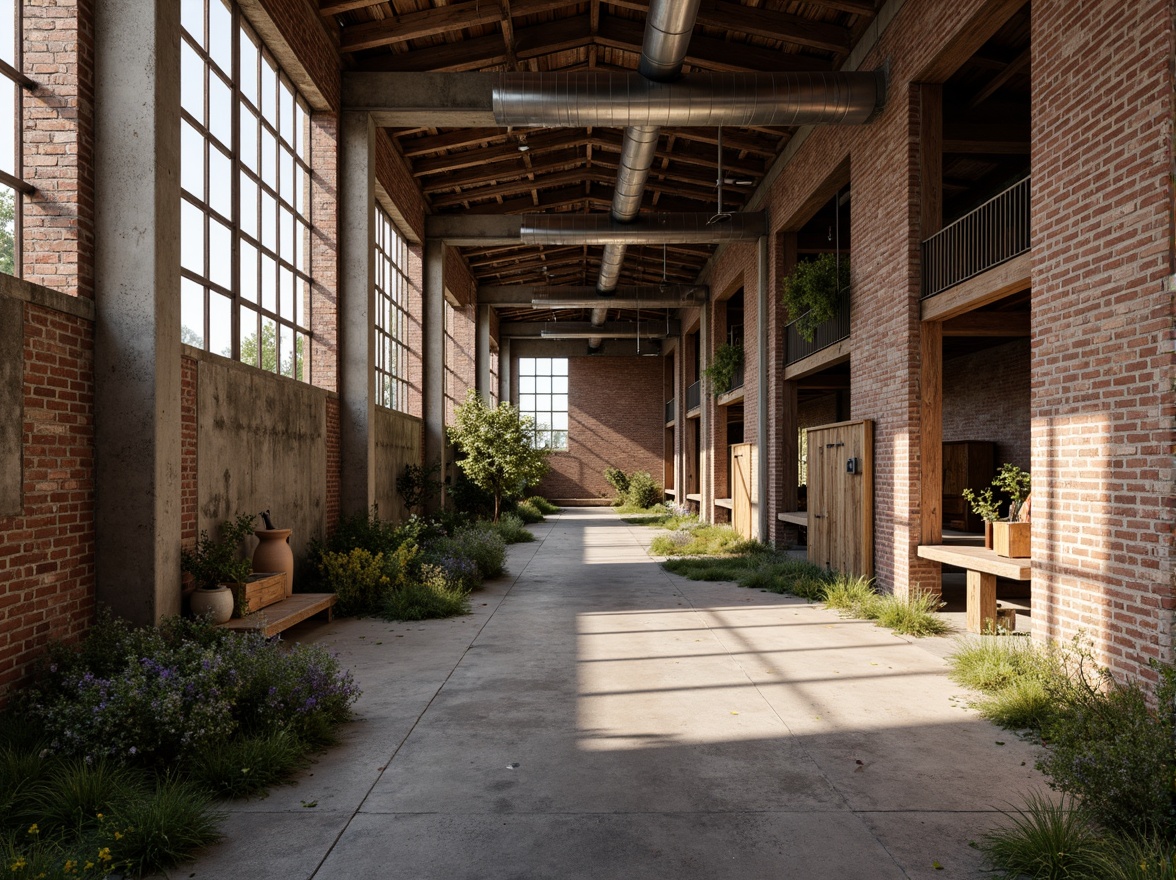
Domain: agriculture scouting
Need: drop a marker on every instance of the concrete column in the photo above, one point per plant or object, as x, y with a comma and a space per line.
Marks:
434, 356
482, 353
706, 455
137, 338
357, 308
766, 373
504, 368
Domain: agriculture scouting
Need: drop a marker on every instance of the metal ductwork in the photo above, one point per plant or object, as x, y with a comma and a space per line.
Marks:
664, 296
564, 229
579, 99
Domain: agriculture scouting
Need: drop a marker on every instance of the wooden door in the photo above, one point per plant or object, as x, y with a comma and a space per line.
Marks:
841, 497
742, 487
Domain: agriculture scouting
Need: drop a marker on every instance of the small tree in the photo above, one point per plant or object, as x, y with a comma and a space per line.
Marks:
499, 447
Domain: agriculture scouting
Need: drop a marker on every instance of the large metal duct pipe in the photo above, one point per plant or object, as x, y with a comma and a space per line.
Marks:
667, 37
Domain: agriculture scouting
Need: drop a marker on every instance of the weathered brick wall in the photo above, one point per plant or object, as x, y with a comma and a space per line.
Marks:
986, 397
615, 419
300, 40
1102, 361
324, 251
58, 136
393, 175
47, 551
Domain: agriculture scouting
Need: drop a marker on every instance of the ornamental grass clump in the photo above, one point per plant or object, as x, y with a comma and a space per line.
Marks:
541, 504
513, 530
528, 512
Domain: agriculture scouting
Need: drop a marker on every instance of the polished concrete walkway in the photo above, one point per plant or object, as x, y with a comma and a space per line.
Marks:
597, 717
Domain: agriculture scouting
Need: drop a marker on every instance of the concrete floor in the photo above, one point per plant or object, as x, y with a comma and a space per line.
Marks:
596, 717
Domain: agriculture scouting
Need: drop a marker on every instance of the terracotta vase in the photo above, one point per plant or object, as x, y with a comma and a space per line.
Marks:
273, 553
218, 603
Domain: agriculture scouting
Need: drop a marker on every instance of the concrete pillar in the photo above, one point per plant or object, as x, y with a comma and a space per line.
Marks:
434, 356
766, 372
706, 464
482, 354
137, 338
504, 369
357, 379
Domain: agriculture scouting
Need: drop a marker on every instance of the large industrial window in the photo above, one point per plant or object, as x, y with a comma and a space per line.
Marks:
12, 85
543, 395
391, 314
245, 212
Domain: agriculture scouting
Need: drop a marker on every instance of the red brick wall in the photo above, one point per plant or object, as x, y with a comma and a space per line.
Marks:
324, 251
616, 418
58, 227
986, 397
393, 175
1102, 360
47, 553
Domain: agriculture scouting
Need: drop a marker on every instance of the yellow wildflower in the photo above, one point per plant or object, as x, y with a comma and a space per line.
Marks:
104, 854
33, 829
18, 864
118, 835
88, 866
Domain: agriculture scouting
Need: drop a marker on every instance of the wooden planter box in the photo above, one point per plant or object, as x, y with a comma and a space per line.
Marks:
1011, 539
263, 588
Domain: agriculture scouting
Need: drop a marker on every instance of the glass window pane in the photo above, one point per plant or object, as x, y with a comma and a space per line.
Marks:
220, 110
527, 403
191, 237
249, 59
527, 365
191, 313
8, 31
543, 366
248, 134
287, 174
248, 333
269, 219
559, 366
287, 114
269, 344
301, 133
526, 385
286, 293
287, 231
192, 18
286, 350
543, 384
248, 260
268, 159
220, 35
559, 402
269, 275
559, 384
8, 129
303, 303
191, 82
220, 254
559, 420
220, 182
269, 81
191, 160
220, 324
248, 205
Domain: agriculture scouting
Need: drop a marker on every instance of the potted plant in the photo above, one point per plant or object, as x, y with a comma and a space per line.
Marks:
727, 360
987, 508
812, 293
1011, 537
216, 567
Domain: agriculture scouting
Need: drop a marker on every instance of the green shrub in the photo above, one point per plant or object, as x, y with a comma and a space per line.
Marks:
528, 513
161, 827
643, 491
1023, 704
512, 529
618, 479
357, 578
702, 540
544, 506
989, 664
436, 595
1130, 858
247, 765
853, 596
482, 543
914, 615
1045, 840
1114, 751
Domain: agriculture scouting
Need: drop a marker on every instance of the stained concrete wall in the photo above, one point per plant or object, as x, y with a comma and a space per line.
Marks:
398, 443
261, 443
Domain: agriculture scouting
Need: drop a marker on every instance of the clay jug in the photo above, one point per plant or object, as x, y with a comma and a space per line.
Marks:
273, 553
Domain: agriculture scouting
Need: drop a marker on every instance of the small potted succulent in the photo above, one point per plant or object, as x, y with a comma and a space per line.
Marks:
1009, 537
216, 566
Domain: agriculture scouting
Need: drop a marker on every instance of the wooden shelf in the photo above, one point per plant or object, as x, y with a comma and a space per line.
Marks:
281, 615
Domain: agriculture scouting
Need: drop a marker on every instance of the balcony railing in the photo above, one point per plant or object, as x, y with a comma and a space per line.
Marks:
829, 333
995, 232
694, 396
671, 410
736, 378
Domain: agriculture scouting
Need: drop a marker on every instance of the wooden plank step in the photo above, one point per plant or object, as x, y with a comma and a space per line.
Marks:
272, 619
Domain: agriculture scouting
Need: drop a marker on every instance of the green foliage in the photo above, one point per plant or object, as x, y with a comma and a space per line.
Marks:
436, 595
914, 615
643, 492
702, 540
541, 504
418, 484
763, 570
665, 519
990, 664
1130, 858
358, 578
269, 359
513, 530
1052, 841
725, 363
498, 448
162, 826
618, 479
811, 295
1015, 483
479, 542
7, 231
983, 505
248, 765
214, 562
528, 512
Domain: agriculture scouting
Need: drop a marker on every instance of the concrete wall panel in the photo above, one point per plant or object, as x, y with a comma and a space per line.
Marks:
398, 443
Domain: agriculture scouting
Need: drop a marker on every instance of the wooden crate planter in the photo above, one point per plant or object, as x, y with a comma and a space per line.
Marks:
1011, 539
263, 588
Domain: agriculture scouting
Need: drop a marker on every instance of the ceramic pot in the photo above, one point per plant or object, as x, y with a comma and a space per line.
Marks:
273, 553
216, 603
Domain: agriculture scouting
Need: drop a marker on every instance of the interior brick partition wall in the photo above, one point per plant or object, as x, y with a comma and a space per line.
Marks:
58, 135
47, 553
986, 397
1102, 399
616, 418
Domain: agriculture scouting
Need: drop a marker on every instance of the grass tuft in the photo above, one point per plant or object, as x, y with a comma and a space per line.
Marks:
914, 615
1018, 679
544, 506
1129, 858
1045, 840
425, 601
528, 512
247, 766
512, 529
162, 827
703, 540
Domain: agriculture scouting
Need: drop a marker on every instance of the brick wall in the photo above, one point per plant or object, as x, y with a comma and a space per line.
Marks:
616, 418
393, 175
58, 135
1102, 360
324, 251
986, 397
47, 552
299, 39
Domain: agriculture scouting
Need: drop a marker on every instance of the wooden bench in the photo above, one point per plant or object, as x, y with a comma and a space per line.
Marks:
794, 517
272, 610
983, 567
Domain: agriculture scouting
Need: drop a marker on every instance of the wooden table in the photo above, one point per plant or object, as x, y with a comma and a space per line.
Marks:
983, 568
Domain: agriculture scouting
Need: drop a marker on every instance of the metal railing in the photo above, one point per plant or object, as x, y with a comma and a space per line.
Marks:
829, 333
671, 410
995, 232
736, 378
694, 396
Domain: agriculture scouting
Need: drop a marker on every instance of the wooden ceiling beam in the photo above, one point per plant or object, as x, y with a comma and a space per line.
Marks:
988, 324
414, 25
450, 140
477, 176
463, 55
1021, 62
732, 139
516, 187
538, 144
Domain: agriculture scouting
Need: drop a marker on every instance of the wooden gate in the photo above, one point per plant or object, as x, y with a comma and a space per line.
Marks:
841, 497
743, 488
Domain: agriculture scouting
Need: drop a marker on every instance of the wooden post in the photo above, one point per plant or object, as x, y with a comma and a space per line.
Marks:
930, 98
981, 601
